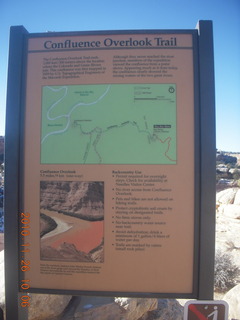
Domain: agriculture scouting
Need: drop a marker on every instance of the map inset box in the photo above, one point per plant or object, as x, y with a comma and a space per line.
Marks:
109, 124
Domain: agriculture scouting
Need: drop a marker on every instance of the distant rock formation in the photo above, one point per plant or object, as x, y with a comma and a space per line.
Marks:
65, 252
47, 224
84, 200
68, 252
97, 253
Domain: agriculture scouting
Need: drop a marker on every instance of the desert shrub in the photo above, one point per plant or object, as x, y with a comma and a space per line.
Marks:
225, 272
226, 159
236, 175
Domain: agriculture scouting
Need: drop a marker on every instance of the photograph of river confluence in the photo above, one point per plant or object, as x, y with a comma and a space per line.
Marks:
72, 221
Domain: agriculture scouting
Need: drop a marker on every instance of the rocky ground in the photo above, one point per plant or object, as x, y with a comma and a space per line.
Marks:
228, 223
228, 243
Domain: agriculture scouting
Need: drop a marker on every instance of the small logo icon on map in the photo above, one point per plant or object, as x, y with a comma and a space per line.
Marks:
171, 90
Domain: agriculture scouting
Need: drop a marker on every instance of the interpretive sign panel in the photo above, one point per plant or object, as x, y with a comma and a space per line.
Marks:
109, 144
112, 172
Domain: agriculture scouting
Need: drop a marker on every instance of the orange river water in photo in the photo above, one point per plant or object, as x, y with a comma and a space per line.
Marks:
85, 235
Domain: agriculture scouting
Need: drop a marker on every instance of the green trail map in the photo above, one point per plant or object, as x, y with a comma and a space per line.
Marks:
109, 124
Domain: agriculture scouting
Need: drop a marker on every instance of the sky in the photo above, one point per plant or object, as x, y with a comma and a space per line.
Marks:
79, 15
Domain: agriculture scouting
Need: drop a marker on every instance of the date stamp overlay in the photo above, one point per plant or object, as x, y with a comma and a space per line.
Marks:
24, 264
